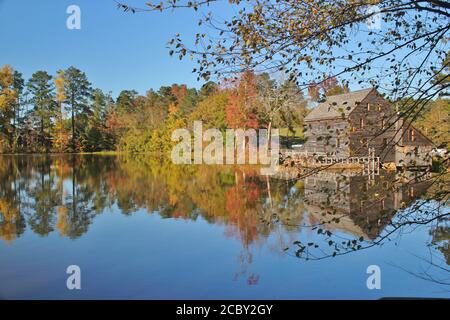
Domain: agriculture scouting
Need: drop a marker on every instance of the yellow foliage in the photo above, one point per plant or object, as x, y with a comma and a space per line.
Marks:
59, 85
61, 223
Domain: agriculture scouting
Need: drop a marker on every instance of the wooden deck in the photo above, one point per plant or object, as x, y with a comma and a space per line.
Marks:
369, 164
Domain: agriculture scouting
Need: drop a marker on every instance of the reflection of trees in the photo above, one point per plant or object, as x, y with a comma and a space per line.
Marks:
66, 192
78, 211
51, 192
344, 212
12, 221
441, 239
349, 213
43, 198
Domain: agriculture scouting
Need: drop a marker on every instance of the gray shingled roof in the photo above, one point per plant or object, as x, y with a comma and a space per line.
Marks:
337, 106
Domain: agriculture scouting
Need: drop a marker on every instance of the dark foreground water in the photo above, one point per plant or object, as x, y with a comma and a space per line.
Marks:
139, 229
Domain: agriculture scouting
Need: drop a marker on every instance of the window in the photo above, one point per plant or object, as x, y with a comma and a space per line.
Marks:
411, 191
368, 107
338, 143
412, 135
361, 123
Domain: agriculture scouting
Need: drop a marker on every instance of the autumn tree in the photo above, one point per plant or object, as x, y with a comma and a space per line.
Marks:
434, 118
435, 122
8, 99
41, 89
77, 91
211, 110
329, 87
393, 45
186, 98
61, 136
241, 110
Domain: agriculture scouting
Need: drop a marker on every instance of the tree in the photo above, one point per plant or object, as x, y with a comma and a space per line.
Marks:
93, 135
211, 110
307, 38
329, 87
435, 123
442, 76
8, 99
126, 101
41, 88
61, 137
281, 103
434, 119
186, 99
207, 89
241, 111
19, 85
77, 91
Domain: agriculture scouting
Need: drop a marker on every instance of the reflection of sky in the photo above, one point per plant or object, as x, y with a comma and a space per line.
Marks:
145, 256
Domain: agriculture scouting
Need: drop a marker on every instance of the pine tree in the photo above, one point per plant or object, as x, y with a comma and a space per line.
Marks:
77, 91
41, 87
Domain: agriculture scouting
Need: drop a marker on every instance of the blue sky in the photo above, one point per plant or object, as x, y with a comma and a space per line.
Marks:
117, 50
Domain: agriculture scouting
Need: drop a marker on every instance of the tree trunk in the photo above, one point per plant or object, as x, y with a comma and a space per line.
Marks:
269, 135
42, 133
73, 123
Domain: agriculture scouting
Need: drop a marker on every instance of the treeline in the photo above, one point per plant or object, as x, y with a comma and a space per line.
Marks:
64, 113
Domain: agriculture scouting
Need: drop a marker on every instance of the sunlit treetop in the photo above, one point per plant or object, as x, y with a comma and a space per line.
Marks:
396, 46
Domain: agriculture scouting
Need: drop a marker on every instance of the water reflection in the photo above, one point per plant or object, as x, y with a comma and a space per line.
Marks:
65, 193
364, 205
326, 214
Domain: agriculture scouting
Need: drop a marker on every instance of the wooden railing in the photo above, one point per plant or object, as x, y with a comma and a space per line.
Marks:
371, 163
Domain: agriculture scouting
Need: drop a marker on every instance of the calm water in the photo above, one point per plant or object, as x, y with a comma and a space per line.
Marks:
141, 229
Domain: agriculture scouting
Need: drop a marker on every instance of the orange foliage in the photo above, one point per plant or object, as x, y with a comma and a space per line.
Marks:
243, 102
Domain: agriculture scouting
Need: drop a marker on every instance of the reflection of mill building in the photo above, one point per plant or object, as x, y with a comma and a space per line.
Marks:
357, 204
347, 125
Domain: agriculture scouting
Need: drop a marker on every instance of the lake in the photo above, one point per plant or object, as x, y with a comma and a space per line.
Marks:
142, 228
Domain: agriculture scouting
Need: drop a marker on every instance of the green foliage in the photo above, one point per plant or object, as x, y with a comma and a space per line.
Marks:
67, 115
211, 110
435, 122
78, 92
125, 101
40, 87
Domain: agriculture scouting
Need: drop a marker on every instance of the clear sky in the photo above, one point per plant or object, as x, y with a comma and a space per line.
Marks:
117, 50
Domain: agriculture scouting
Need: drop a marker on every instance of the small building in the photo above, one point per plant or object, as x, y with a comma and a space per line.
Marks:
349, 124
